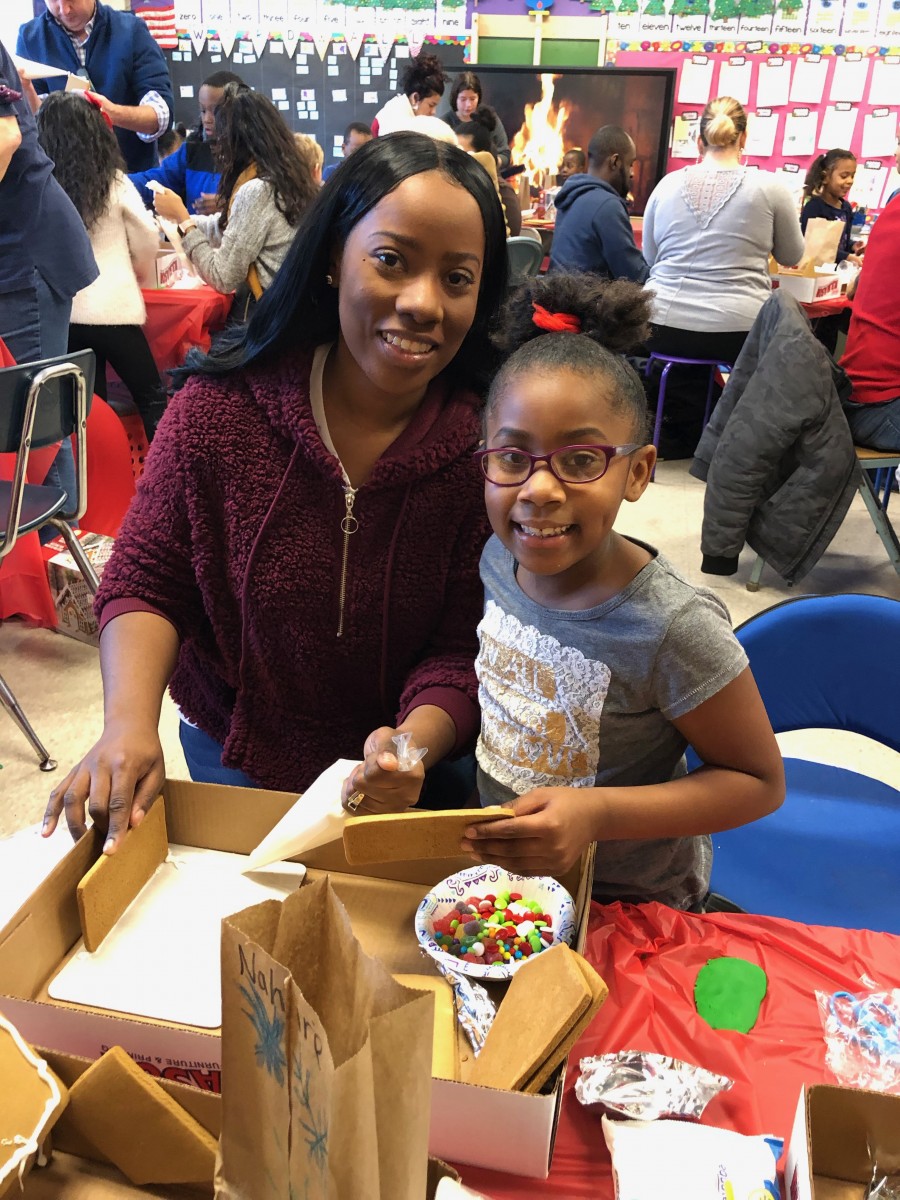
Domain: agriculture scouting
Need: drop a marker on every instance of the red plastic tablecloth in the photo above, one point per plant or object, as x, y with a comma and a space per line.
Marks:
24, 589
649, 956
179, 318
826, 308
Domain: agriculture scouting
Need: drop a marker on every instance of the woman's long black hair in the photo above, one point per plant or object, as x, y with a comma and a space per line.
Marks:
84, 152
299, 309
250, 130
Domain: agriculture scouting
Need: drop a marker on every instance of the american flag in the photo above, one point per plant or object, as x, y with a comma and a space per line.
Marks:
160, 19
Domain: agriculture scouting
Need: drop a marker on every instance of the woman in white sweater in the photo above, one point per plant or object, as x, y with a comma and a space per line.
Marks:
265, 186
107, 316
708, 232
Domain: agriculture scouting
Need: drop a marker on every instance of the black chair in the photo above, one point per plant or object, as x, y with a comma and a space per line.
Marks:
42, 403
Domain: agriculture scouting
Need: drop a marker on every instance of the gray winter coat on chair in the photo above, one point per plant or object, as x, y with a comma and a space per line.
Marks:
777, 454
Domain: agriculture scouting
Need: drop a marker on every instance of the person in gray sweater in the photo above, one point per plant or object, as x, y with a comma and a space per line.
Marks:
265, 186
708, 232
593, 232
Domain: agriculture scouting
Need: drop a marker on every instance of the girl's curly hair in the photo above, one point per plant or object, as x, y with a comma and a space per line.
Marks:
615, 320
84, 152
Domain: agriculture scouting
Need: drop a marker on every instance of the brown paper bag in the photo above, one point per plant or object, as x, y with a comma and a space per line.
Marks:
326, 1060
821, 240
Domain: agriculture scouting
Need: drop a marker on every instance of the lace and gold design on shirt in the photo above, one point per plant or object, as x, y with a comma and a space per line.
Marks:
541, 704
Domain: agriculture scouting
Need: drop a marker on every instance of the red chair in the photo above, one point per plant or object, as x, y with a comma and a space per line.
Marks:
41, 404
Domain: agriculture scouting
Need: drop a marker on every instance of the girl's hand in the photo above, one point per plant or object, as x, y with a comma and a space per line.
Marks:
550, 831
170, 206
118, 780
855, 259
384, 787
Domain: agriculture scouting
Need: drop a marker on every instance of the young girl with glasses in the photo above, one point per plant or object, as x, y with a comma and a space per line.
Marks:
598, 662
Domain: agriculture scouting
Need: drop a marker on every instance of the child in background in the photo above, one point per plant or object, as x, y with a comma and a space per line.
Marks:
598, 663
574, 163
828, 182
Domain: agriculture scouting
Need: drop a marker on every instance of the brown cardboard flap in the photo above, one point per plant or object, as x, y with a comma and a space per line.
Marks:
42, 932
134, 1123
115, 880
406, 836
67, 1177
843, 1123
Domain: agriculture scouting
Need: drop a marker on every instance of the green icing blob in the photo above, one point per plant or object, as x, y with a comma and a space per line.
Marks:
728, 993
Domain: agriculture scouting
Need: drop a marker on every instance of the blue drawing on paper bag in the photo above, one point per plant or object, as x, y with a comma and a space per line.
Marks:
270, 1033
315, 1126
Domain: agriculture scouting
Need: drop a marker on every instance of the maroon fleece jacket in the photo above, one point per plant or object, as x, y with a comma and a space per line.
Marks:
235, 537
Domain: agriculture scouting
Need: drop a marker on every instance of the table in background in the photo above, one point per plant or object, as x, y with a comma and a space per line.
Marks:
649, 956
179, 318
826, 308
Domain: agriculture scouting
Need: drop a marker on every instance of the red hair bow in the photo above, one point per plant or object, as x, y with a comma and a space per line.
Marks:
92, 99
555, 322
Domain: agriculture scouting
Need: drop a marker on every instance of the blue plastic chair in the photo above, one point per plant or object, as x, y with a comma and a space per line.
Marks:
831, 854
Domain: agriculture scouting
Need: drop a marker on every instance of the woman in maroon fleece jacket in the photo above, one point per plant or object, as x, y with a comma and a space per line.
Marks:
300, 563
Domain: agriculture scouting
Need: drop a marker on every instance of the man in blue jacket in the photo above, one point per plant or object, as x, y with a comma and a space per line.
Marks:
45, 253
593, 232
126, 69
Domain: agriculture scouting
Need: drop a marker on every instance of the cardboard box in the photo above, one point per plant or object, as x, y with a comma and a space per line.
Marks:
72, 600
810, 285
381, 902
828, 1156
168, 268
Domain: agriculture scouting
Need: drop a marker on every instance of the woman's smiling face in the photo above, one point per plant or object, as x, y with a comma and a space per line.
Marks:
408, 279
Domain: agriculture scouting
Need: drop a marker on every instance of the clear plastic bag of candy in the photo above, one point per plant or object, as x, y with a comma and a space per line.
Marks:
862, 1037
647, 1087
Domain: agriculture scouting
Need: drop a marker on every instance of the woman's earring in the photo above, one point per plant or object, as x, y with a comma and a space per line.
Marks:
329, 279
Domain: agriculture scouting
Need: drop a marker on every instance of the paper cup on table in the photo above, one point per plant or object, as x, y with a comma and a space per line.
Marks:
315, 819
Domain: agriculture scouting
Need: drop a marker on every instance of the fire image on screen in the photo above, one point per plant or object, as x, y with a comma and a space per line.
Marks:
547, 113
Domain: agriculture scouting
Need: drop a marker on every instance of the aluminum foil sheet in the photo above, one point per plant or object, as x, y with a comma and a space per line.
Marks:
647, 1087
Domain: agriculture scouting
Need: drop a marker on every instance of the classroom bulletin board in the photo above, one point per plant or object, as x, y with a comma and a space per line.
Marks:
799, 105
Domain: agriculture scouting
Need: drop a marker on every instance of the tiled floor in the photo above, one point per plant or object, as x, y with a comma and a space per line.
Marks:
57, 680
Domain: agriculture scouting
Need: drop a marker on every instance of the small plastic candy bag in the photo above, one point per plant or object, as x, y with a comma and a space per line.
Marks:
681, 1161
862, 1037
408, 754
647, 1087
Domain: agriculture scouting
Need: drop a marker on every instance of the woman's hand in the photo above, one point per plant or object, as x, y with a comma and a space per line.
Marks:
118, 780
552, 828
383, 786
170, 206
855, 259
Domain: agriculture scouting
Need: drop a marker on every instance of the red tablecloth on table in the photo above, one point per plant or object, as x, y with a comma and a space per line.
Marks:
826, 308
179, 318
649, 956
24, 589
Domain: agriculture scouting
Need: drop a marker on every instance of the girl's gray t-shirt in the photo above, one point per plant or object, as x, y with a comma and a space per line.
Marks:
586, 698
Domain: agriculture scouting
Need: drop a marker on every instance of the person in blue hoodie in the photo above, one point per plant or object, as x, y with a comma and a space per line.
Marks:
593, 232
116, 53
191, 171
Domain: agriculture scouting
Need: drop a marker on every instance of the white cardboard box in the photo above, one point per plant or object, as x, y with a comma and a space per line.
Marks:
810, 288
168, 268
44, 931
828, 1153
72, 599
